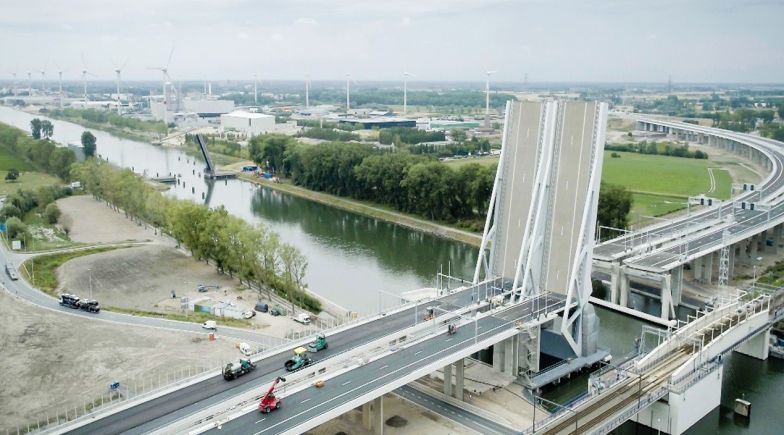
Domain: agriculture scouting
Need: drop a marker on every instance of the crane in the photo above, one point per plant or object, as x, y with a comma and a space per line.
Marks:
268, 400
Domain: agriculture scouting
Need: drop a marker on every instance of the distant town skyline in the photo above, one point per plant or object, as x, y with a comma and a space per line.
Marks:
697, 41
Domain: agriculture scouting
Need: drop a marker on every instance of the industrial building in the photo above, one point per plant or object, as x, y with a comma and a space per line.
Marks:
380, 122
247, 123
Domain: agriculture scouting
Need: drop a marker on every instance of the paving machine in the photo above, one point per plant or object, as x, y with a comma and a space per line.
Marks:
301, 359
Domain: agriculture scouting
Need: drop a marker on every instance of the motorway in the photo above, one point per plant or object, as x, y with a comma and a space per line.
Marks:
177, 404
745, 220
300, 408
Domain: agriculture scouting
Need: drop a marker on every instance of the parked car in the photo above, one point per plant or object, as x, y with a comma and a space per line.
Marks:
303, 318
248, 314
261, 308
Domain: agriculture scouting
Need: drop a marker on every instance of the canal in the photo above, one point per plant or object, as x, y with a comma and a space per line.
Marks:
351, 257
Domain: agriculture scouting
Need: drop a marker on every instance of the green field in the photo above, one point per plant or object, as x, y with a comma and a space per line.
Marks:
26, 181
8, 161
659, 184
484, 161
673, 176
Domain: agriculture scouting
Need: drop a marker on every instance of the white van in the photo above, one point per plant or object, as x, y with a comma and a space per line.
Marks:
210, 324
303, 318
245, 349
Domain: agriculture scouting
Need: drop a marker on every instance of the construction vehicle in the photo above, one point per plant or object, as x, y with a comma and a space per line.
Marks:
451, 329
430, 313
277, 310
90, 305
235, 370
269, 401
202, 288
319, 344
301, 359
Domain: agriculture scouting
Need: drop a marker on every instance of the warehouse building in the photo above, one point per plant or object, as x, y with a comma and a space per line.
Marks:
247, 124
380, 122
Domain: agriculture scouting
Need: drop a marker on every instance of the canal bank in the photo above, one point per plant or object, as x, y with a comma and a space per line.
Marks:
351, 256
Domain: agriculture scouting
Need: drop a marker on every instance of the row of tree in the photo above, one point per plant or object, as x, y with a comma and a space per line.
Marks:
406, 135
41, 129
658, 148
43, 154
111, 118
254, 254
410, 183
329, 134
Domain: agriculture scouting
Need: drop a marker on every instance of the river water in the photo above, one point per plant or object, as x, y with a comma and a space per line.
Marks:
351, 257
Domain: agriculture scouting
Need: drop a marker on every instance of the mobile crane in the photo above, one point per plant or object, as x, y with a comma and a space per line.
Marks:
269, 401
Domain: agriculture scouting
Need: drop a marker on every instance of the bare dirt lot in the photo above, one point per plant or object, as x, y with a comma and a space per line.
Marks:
144, 277
91, 221
51, 361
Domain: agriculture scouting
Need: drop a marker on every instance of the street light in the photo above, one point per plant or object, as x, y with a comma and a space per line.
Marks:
91, 282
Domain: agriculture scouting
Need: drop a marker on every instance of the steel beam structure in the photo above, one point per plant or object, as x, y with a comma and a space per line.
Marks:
538, 234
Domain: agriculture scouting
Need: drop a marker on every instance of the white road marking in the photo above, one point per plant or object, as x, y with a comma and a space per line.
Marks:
261, 420
345, 383
383, 367
417, 352
306, 400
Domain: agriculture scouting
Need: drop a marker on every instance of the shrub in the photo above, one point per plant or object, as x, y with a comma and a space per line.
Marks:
15, 228
52, 213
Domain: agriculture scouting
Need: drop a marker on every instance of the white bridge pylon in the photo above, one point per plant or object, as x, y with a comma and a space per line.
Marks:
539, 230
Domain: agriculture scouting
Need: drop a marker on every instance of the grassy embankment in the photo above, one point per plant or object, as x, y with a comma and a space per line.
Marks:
28, 179
45, 267
659, 184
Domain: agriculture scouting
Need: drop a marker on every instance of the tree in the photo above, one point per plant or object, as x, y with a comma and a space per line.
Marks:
12, 174
615, 202
52, 213
9, 211
88, 142
458, 135
47, 129
268, 150
35, 128
15, 228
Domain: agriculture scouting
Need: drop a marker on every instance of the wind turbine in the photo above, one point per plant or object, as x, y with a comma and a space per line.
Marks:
43, 77
255, 89
29, 83
405, 90
165, 77
13, 74
84, 82
348, 92
487, 93
307, 91
118, 70
60, 93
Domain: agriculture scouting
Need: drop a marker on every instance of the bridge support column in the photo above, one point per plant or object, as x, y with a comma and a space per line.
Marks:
697, 266
753, 246
448, 378
676, 285
707, 271
666, 297
367, 416
460, 379
615, 277
777, 238
378, 415
758, 347
510, 363
624, 296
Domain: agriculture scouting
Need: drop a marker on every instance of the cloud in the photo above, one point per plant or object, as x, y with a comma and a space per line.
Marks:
242, 35
277, 37
406, 21
305, 21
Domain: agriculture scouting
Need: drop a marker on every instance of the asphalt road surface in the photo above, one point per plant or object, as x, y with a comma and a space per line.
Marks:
303, 406
170, 407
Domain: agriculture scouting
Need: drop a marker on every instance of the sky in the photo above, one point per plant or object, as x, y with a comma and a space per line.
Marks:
739, 41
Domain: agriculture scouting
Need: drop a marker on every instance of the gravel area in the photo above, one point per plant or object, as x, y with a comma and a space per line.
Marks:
91, 221
52, 361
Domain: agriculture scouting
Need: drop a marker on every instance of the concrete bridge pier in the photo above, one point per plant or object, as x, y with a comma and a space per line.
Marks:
373, 415
457, 389
684, 408
505, 356
757, 347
